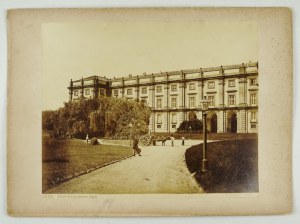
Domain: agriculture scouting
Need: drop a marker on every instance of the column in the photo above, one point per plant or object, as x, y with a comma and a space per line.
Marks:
82, 87
242, 91
153, 92
165, 122
200, 93
71, 90
221, 93
241, 119
123, 87
138, 87
220, 117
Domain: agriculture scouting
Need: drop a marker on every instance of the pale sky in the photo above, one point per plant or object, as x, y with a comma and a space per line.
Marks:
115, 49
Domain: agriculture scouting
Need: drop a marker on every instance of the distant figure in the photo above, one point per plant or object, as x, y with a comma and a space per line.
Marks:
87, 138
136, 148
172, 140
183, 138
163, 142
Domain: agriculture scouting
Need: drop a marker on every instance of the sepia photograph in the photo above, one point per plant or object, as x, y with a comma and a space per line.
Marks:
150, 107
149, 112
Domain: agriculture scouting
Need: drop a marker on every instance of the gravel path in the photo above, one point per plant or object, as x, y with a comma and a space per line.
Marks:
160, 169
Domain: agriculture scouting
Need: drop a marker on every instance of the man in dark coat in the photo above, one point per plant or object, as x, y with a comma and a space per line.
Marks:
136, 148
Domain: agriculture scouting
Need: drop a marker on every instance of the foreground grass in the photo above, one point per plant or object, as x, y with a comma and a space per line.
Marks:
232, 166
65, 159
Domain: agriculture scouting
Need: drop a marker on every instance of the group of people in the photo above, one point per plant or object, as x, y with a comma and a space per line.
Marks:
164, 139
137, 150
172, 138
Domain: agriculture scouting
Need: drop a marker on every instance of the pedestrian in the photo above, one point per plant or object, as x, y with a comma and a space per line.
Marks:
172, 140
136, 149
183, 138
87, 138
163, 142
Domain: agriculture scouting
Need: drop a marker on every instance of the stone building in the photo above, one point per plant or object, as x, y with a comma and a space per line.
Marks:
175, 96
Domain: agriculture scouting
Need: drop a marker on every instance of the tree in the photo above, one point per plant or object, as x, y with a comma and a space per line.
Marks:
194, 125
104, 116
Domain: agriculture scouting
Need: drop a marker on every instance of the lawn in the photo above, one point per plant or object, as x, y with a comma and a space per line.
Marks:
68, 158
232, 166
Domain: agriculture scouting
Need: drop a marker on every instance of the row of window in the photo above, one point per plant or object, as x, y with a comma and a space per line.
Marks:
253, 120
211, 85
88, 92
211, 98
173, 118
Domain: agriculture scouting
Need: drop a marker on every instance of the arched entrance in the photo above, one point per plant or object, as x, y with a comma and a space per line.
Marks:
192, 115
232, 122
212, 122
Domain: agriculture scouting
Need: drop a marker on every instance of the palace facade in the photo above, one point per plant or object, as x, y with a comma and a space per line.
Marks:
175, 96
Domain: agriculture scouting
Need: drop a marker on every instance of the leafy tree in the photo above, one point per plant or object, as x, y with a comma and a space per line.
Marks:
98, 117
194, 125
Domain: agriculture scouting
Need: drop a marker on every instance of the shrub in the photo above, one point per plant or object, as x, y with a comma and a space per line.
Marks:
94, 141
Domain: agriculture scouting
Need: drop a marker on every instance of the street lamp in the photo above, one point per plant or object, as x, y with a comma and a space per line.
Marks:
204, 103
130, 126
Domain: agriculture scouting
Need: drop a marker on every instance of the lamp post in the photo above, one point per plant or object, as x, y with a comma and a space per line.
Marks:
204, 103
130, 126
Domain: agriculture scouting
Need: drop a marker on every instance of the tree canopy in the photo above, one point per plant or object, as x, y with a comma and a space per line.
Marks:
104, 116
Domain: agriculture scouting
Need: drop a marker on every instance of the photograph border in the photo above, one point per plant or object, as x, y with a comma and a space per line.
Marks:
275, 29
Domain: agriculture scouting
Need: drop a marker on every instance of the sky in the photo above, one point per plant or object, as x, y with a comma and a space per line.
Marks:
116, 49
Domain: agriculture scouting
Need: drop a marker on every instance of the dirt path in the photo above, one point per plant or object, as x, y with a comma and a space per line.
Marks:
160, 169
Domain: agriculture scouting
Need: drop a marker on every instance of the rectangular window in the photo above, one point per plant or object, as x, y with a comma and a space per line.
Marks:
211, 100
253, 125
173, 102
159, 126
174, 119
116, 92
174, 87
102, 92
87, 92
158, 120
129, 91
211, 85
158, 89
192, 86
231, 83
231, 99
144, 90
158, 104
253, 116
253, 81
76, 93
173, 126
253, 99
192, 102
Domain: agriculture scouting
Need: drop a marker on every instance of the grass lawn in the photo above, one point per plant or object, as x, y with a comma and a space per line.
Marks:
64, 159
232, 166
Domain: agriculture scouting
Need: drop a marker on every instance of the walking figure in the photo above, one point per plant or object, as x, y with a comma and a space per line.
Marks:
136, 148
183, 138
163, 142
87, 138
172, 140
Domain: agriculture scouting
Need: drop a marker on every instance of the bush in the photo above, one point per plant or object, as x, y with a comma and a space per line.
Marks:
94, 141
194, 125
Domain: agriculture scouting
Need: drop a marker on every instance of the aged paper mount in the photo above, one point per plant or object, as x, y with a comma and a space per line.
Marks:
25, 69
